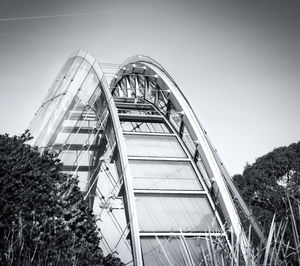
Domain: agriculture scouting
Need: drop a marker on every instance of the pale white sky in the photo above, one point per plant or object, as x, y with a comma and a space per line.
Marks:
238, 63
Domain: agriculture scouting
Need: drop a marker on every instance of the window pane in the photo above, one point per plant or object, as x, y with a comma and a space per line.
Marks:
75, 157
142, 112
88, 86
162, 251
190, 144
175, 119
156, 146
175, 213
130, 126
82, 178
69, 76
164, 175
74, 138
80, 123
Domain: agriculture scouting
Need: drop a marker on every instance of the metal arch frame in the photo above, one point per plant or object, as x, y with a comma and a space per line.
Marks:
176, 97
136, 247
222, 168
85, 56
189, 158
133, 223
212, 165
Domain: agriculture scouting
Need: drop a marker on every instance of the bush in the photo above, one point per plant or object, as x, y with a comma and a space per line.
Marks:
44, 219
271, 186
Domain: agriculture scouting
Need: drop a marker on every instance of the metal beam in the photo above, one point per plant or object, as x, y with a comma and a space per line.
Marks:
76, 147
80, 130
73, 168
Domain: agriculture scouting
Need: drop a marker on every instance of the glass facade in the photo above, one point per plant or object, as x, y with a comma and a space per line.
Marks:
169, 191
175, 213
173, 250
137, 156
146, 127
169, 175
153, 146
75, 122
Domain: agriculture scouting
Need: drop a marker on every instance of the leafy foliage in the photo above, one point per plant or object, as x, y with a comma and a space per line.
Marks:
272, 186
44, 219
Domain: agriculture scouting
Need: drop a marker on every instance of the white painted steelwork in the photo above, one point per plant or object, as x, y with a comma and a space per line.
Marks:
81, 119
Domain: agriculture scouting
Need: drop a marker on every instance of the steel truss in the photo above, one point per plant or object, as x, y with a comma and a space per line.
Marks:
149, 172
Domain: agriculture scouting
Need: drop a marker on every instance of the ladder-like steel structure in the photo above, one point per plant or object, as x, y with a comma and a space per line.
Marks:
148, 170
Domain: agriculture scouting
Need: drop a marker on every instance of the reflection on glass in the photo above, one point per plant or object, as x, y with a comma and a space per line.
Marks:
55, 86
141, 112
178, 251
88, 86
80, 123
162, 101
58, 108
175, 119
75, 157
146, 127
190, 144
155, 146
164, 175
175, 213
111, 236
82, 178
109, 210
74, 138
68, 77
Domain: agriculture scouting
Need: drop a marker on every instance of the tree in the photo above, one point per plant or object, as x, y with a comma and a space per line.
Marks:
44, 219
271, 184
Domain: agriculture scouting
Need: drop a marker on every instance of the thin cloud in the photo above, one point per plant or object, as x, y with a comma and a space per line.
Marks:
52, 16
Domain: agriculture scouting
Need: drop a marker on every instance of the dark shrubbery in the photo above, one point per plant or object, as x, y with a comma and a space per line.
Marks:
44, 219
271, 186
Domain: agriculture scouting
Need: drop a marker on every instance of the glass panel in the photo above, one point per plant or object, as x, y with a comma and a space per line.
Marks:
110, 214
151, 90
164, 175
175, 119
175, 213
88, 86
140, 86
162, 101
173, 250
155, 146
110, 133
81, 124
68, 77
123, 110
59, 78
96, 96
75, 157
123, 86
40, 117
130, 90
147, 127
75, 138
82, 177
60, 106
127, 126
190, 144
111, 232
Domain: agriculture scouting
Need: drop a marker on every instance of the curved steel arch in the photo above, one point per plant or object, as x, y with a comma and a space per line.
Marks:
47, 124
178, 99
83, 115
213, 168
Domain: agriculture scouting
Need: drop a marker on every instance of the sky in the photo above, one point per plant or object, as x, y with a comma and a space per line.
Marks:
237, 62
